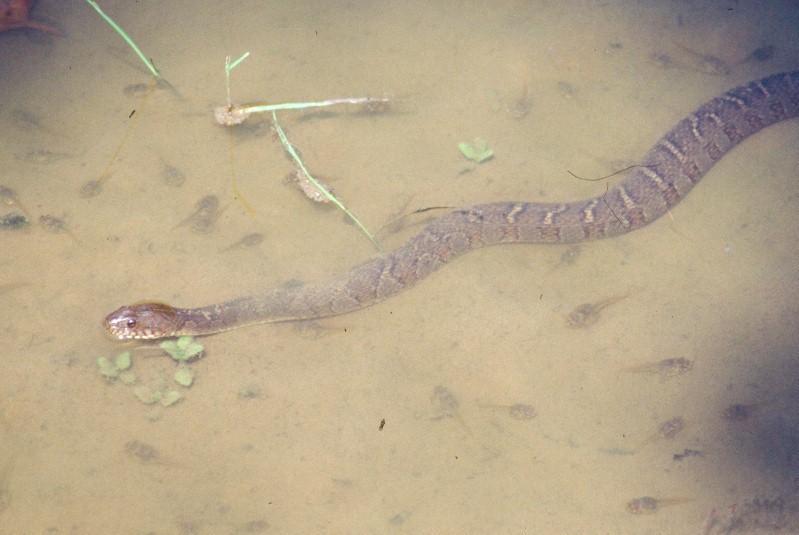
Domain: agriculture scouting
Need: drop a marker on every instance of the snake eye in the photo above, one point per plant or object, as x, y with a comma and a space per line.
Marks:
131, 323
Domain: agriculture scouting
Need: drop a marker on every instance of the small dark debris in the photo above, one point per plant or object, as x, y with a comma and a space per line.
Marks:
5, 499
91, 188
671, 428
737, 412
172, 176
642, 505
41, 156
444, 402
251, 391
569, 256
255, 526
53, 224
521, 411
142, 451
687, 453
135, 90
566, 89
399, 518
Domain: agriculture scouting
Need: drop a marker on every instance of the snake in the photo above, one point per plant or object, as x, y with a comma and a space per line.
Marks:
665, 175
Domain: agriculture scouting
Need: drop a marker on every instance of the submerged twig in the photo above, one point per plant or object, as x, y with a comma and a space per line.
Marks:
323, 190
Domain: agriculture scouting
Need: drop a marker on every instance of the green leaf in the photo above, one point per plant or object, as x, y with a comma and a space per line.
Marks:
169, 346
229, 66
477, 151
146, 395
184, 376
127, 378
194, 349
170, 398
107, 368
183, 349
122, 361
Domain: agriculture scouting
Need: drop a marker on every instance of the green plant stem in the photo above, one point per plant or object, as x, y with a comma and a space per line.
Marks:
306, 105
293, 153
126, 37
229, 66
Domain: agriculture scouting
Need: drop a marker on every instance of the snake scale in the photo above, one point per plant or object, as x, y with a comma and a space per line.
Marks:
665, 175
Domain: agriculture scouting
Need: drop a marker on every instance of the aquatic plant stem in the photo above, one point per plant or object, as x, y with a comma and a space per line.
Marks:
306, 105
293, 153
229, 66
126, 38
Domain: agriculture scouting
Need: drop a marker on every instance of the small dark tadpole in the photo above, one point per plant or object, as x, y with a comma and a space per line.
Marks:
204, 216
588, 313
642, 505
738, 412
135, 90
647, 505
13, 221
382, 424
763, 53
521, 411
91, 188
671, 428
142, 451
250, 240
171, 175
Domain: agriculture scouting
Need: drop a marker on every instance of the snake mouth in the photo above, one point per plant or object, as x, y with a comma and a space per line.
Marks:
121, 334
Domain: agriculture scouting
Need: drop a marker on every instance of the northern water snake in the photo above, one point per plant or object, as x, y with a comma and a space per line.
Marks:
665, 175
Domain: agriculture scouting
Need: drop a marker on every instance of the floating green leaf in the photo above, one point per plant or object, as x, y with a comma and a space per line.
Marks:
183, 349
170, 398
107, 368
127, 378
184, 376
147, 395
158, 390
477, 151
111, 369
122, 361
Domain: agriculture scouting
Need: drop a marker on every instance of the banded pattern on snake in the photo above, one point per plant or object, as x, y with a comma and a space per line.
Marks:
665, 176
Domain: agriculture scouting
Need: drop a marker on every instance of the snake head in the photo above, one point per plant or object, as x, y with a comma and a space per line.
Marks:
143, 321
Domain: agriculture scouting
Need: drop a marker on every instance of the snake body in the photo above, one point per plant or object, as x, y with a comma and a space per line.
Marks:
665, 176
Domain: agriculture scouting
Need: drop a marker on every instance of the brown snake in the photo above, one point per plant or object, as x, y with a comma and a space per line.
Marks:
666, 174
